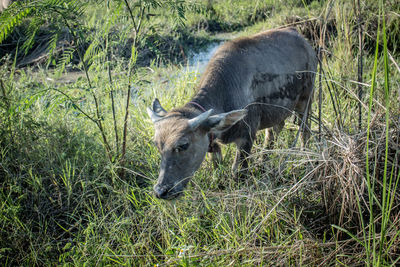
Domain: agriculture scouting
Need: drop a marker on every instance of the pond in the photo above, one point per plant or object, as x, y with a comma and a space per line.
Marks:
198, 61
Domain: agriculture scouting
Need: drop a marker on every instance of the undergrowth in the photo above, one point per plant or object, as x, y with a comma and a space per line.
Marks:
63, 200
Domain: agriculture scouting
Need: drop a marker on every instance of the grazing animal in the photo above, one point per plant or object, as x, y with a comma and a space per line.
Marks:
251, 83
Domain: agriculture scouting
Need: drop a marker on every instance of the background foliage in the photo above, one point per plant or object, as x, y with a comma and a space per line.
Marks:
77, 166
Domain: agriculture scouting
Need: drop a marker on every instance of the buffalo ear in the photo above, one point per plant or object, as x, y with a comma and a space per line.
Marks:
158, 112
221, 122
157, 108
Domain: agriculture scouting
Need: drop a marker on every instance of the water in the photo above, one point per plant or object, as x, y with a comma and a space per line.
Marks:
69, 77
198, 61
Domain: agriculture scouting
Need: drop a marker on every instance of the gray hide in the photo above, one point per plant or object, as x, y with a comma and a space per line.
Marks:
250, 84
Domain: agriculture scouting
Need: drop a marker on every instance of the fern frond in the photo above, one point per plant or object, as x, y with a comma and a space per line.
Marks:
91, 51
111, 20
64, 60
10, 18
52, 45
31, 32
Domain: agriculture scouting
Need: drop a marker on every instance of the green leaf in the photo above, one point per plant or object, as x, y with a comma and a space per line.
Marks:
348, 233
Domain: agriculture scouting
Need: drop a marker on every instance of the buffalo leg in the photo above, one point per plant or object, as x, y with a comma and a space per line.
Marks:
303, 109
305, 125
243, 151
216, 155
271, 135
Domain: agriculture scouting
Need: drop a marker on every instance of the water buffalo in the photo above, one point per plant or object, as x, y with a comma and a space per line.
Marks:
251, 83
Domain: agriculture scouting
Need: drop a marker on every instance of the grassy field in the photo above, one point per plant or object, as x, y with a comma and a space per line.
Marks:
72, 193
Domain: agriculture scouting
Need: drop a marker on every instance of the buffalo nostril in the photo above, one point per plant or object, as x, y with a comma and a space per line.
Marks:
161, 191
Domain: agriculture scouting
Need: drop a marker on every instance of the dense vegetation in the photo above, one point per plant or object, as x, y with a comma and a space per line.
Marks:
77, 163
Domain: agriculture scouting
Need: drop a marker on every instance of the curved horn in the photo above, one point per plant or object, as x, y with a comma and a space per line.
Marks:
158, 112
154, 117
196, 121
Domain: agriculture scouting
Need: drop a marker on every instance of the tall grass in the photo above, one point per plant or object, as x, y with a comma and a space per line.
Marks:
378, 236
62, 201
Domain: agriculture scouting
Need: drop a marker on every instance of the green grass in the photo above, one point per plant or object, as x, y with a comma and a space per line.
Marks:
63, 202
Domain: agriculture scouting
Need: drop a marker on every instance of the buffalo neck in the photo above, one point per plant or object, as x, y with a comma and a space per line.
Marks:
209, 97
217, 86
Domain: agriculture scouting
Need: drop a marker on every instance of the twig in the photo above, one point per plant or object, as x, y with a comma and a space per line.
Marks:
319, 95
76, 106
297, 22
131, 70
96, 102
323, 23
131, 14
8, 105
3, 91
360, 64
394, 62
333, 97
112, 100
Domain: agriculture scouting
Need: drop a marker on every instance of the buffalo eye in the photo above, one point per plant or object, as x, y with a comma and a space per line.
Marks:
181, 147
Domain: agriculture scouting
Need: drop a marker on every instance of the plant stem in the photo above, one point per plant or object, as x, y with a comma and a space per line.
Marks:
132, 62
98, 120
112, 101
360, 64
